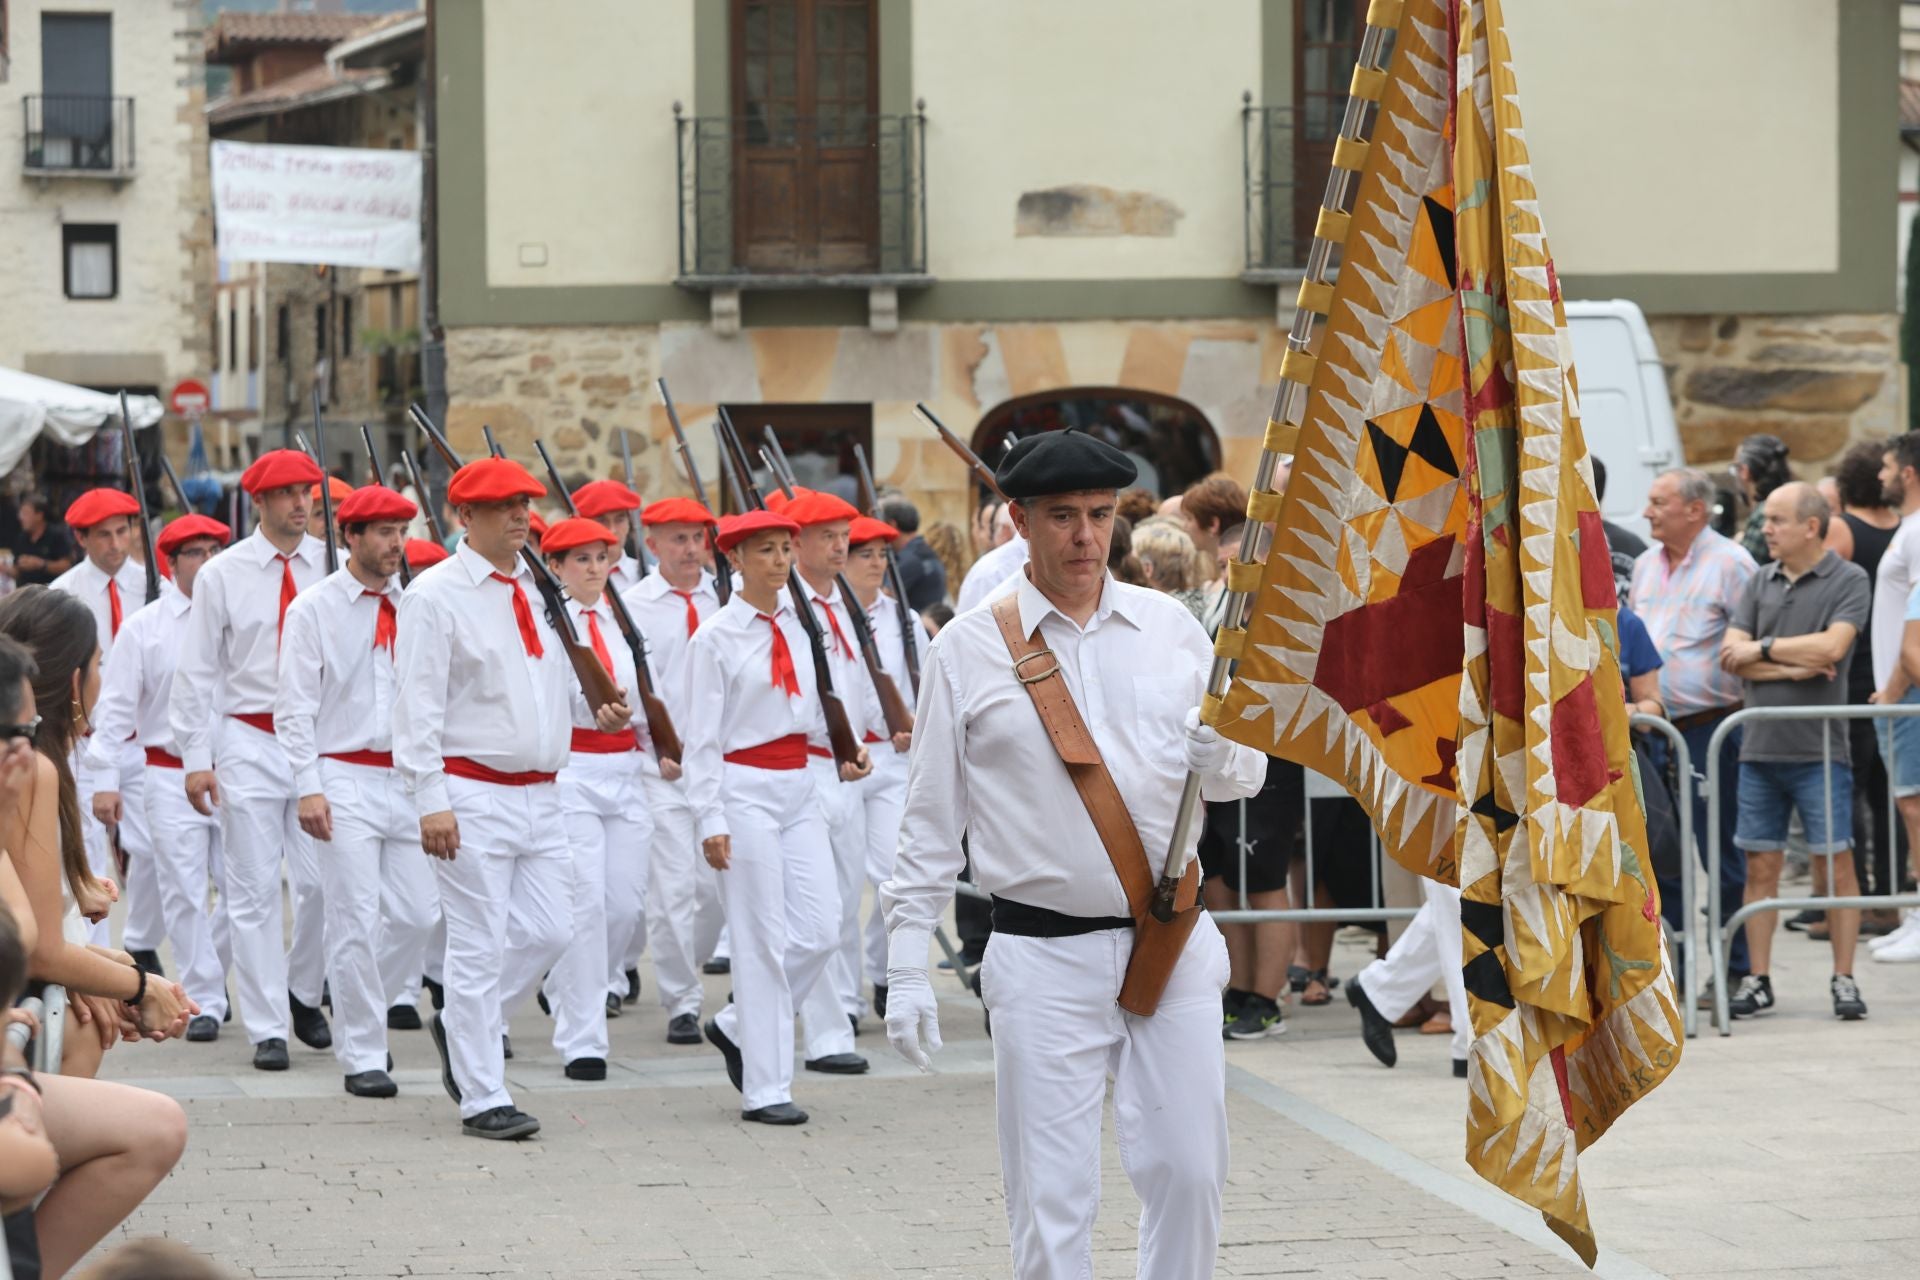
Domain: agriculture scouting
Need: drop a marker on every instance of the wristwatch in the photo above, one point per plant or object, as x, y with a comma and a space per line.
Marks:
1766, 649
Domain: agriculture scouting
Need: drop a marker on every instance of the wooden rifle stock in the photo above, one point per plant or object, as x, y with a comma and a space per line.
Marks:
981, 471
722, 577
140, 496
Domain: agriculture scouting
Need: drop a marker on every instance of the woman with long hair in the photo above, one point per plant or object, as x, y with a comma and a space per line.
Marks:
109, 997
950, 548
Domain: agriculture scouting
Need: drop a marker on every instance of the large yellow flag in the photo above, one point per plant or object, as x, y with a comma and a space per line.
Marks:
1435, 623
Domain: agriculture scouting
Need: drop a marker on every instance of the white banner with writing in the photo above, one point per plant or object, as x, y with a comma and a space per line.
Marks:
342, 206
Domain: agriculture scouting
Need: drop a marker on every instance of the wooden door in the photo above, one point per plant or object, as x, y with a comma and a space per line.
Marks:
804, 134
1326, 43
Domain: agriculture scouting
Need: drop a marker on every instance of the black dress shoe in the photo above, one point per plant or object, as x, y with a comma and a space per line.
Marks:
203, 1028
719, 964
778, 1113
587, 1069
683, 1029
633, 987
403, 1017
434, 989
310, 1025
614, 1007
1375, 1030
271, 1055
148, 960
1460, 1068
736, 1070
438, 1028
502, 1124
372, 1084
880, 1001
839, 1064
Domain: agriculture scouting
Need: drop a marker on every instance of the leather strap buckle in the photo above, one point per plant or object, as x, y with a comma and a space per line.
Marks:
1025, 658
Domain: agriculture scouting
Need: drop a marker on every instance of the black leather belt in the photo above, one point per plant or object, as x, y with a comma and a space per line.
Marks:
1017, 919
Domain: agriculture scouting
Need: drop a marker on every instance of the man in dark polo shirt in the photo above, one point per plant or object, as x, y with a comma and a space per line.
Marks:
42, 550
1791, 641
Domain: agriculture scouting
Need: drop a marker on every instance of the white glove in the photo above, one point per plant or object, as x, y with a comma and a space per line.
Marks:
913, 1015
1207, 752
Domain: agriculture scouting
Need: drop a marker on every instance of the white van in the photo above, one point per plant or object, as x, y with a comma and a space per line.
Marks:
1625, 412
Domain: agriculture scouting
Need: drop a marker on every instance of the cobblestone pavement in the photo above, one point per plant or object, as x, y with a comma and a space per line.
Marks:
1784, 1150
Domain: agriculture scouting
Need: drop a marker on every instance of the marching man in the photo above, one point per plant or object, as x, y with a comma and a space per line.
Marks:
334, 719
607, 828
758, 811
222, 707
683, 897
114, 585
135, 690
1130, 666
480, 732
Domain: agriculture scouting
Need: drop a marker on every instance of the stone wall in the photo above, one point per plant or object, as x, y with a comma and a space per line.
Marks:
1817, 382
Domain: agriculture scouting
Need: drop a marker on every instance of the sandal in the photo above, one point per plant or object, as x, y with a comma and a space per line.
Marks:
1298, 976
1318, 978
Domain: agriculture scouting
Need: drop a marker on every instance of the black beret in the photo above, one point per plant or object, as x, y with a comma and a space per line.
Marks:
1062, 462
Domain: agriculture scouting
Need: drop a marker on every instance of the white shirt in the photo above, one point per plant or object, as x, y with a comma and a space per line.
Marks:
884, 614
1893, 581
336, 689
661, 616
230, 656
136, 685
467, 685
88, 581
623, 670
625, 575
852, 683
984, 766
730, 678
989, 571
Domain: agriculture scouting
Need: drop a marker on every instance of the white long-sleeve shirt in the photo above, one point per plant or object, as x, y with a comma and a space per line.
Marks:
622, 670
984, 766
467, 686
851, 681
730, 679
661, 615
88, 581
230, 656
884, 615
336, 689
135, 686
989, 572
626, 574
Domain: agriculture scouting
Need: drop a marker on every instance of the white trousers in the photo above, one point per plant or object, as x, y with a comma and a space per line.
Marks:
146, 925
507, 895
683, 901
1057, 1036
885, 799
186, 858
782, 901
1428, 952
823, 1014
380, 902
260, 830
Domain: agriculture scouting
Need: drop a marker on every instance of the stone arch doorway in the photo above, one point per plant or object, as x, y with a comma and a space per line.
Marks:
1171, 440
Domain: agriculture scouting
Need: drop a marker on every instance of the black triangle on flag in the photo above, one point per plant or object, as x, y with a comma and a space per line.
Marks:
1391, 456
1430, 444
1440, 222
1488, 807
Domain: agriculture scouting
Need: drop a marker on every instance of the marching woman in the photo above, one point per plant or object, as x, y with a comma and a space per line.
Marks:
759, 816
604, 811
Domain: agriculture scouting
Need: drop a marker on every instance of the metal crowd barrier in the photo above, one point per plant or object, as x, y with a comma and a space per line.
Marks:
1720, 932
1688, 942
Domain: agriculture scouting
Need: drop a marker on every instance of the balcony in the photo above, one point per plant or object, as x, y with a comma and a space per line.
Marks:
1282, 197
783, 201
78, 136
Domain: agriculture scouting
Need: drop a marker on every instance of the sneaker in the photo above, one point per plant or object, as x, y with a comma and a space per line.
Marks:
1754, 995
1799, 922
1909, 923
1259, 1018
1232, 1001
502, 1124
1847, 1004
1901, 948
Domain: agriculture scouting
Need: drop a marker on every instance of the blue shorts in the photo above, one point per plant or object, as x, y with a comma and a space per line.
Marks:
1900, 748
1772, 791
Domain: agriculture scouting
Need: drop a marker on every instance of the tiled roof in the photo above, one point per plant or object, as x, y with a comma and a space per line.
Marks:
233, 33
315, 84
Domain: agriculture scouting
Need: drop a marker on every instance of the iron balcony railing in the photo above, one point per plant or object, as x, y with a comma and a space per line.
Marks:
807, 197
1280, 206
79, 133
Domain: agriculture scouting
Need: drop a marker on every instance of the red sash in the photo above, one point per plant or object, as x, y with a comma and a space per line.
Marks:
789, 752
372, 759
261, 720
158, 759
593, 742
473, 770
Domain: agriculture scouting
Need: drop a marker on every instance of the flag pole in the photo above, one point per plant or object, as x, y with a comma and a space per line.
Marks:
1289, 409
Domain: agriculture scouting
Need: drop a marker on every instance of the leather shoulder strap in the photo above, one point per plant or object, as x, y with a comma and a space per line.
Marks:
1035, 667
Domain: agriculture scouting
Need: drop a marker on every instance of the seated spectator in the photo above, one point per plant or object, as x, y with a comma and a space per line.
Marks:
28, 1162
42, 550
1170, 562
922, 576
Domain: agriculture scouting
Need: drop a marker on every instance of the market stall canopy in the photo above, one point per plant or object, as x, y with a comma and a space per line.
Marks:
30, 404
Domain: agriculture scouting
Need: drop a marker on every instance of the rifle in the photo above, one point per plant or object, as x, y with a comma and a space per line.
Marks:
595, 681
722, 579
893, 708
666, 742
869, 502
846, 748
633, 547
326, 481
426, 499
179, 490
373, 458
140, 496
980, 470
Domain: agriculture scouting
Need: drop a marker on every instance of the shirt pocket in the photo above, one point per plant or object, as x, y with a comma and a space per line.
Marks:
1160, 706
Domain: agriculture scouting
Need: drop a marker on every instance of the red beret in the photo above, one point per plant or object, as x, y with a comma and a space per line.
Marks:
493, 480
576, 531
375, 502
819, 508
421, 553
537, 523
95, 505
602, 496
278, 468
677, 511
734, 528
777, 500
337, 490
185, 529
867, 529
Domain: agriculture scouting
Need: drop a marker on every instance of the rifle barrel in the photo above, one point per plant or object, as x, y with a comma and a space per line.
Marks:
326, 480
981, 471
140, 496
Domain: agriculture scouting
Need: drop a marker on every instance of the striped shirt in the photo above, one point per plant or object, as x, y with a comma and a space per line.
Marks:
1686, 607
